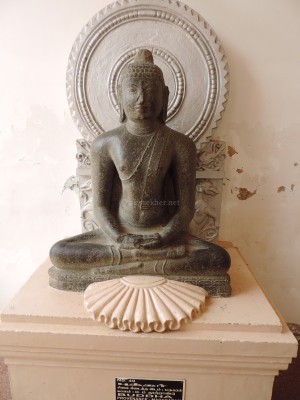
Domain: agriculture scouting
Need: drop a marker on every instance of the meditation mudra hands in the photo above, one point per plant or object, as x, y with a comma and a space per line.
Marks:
131, 241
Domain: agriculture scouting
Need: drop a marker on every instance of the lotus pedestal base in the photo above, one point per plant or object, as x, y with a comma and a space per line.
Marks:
56, 351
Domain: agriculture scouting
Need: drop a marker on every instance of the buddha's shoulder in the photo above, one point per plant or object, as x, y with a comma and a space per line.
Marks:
180, 140
106, 139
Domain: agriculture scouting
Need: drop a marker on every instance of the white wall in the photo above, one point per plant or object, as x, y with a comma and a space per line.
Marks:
262, 122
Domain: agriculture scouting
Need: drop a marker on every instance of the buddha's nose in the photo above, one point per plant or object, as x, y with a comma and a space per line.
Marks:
140, 97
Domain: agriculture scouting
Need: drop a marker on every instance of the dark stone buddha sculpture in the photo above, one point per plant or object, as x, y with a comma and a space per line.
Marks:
143, 177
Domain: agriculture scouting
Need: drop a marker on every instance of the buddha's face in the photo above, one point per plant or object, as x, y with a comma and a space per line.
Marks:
142, 98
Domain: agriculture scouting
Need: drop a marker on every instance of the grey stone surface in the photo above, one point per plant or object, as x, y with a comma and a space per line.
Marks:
143, 179
209, 185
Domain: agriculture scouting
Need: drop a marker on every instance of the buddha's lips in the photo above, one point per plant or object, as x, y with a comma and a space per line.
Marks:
141, 108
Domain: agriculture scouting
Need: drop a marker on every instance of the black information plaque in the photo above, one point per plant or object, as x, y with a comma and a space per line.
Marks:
156, 389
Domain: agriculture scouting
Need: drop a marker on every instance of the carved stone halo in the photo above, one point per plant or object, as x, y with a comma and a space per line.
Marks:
144, 303
172, 64
184, 46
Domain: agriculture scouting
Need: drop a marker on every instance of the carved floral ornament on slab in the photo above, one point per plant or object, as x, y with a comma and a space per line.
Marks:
144, 303
184, 46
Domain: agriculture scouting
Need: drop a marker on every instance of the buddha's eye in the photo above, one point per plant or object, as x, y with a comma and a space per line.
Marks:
132, 88
148, 88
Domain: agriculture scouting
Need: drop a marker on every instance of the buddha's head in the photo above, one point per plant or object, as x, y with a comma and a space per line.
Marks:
142, 90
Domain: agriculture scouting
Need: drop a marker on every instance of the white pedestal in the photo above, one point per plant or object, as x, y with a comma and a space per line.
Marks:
55, 351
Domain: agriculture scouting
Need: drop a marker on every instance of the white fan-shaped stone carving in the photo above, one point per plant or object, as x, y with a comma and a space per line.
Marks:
144, 303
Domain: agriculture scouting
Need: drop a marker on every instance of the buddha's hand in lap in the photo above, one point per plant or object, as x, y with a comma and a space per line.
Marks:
131, 241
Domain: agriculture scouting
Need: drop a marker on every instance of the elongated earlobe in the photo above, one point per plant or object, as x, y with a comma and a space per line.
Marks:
165, 104
122, 112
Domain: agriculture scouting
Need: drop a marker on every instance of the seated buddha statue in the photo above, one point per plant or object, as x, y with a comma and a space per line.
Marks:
143, 183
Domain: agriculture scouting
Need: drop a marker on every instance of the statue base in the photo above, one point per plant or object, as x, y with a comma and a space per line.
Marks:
55, 350
215, 282
217, 285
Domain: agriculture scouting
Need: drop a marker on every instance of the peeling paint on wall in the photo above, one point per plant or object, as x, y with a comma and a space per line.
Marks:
292, 187
231, 151
244, 193
239, 170
281, 189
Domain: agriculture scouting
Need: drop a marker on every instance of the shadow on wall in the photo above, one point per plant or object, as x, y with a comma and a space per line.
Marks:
4, 383
287, 383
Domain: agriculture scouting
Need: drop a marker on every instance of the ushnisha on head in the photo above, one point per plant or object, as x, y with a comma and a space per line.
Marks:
142, 90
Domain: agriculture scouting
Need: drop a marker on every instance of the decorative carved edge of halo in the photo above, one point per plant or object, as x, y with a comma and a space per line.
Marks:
75, 61
168, 59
